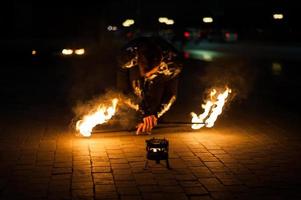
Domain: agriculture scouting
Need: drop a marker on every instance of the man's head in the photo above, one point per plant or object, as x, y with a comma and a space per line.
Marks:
149, 56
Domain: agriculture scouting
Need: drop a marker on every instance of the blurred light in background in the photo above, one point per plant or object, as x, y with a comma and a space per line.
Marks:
276, 68
170, 22
165, 20
204, 55
67, 51
112, 28
231, 36
278, 16
186, 34
186, 55
207, 19
80, 51
162, 19
128, 22
33, 52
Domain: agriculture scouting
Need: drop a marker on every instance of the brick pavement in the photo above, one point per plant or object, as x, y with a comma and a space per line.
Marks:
226, 162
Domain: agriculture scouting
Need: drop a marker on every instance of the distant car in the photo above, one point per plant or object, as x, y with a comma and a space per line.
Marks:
214, 36
221, 36
192, 34
230, 35
63, 48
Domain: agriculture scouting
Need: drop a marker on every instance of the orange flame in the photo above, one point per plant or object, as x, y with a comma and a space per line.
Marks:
212, 109
102, 115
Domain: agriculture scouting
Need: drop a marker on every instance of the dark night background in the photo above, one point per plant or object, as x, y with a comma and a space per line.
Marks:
37, 19
262, 62
252, 152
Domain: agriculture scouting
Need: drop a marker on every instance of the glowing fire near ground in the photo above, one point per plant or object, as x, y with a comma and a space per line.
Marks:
212, 109
101, 115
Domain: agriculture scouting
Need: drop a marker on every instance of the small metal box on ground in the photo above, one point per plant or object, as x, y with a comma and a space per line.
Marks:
157, 149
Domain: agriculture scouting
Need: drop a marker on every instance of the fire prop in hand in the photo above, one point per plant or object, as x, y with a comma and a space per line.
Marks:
99, 116
212, 109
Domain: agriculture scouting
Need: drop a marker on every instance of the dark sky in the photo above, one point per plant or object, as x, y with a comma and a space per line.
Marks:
70, 17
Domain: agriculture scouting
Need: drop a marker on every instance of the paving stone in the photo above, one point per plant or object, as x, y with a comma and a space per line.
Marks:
185, 177
172, 189
218, 164
101, 169
207, 197
101, 164
106, 196
130, 197
122, 171
149, 189
202, 172
120, 166
199, 190
169, 182
81, 185
86, 194
190, 183
153, 195
119, 161
123, 177
132, 190
67, 170
62, 164
212, 184
105, 188
125, 183
180, 196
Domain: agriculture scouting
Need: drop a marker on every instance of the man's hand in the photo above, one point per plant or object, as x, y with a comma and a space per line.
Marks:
148, 124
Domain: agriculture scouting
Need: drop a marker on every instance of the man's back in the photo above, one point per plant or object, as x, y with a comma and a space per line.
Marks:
157, 88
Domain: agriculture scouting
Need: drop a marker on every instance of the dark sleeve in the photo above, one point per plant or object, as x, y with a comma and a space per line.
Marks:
125, 56
169, 97
123, 80
160, 99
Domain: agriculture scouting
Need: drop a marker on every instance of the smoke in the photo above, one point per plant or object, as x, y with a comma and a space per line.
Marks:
237, 74
124, 118
95, 72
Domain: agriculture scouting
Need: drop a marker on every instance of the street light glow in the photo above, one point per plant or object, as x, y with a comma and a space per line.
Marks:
67, 51
112, 28
207, 19
165, 20
128, 22
80, 51
170, 22
278, 16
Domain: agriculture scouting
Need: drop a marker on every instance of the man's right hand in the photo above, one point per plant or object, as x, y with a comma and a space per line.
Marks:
148, 124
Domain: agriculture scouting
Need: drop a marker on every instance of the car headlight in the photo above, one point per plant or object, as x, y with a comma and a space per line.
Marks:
80, 51
67, 51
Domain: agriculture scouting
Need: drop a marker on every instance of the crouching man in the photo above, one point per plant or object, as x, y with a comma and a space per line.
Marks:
149, 68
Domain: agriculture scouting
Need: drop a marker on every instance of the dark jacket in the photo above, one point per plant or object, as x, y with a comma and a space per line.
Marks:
158, 92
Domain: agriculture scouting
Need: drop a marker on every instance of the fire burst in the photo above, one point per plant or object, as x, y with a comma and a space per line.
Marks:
101, 115
212, 109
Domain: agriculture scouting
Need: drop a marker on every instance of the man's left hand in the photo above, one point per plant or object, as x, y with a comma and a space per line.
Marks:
148, 124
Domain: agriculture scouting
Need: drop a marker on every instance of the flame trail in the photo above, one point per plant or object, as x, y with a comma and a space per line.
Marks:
212, 109
101, 115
